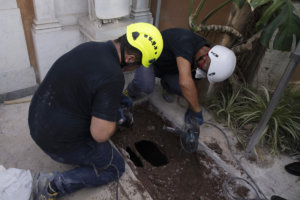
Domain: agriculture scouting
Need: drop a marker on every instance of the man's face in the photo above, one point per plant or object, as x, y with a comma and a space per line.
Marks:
202, 59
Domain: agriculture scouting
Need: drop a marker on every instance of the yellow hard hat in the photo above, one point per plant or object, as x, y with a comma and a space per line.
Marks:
146, 38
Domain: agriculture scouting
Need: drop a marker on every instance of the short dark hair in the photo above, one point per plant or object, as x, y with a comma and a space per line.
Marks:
128, 48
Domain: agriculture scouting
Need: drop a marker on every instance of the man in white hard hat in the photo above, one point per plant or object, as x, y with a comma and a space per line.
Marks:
186, 57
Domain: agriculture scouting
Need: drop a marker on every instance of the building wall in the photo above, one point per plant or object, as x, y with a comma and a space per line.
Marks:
173, 13
27, 13
16, 73
68, 11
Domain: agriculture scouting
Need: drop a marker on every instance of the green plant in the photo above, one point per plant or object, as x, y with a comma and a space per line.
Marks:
203, 27
280, 19
226, 106
283, 129
278, 15
244, 108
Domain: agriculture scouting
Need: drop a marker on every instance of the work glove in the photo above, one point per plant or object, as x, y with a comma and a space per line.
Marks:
125, 117
126, 101
191, 116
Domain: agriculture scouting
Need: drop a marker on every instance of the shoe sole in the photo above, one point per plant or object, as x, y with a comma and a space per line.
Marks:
35, 183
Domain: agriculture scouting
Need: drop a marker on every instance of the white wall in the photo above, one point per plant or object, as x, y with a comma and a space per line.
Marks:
56, 28
15, 70
59, 33
68, 11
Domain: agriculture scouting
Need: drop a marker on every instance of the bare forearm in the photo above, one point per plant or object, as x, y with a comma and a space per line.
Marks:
102, 130
187, 84
190, 93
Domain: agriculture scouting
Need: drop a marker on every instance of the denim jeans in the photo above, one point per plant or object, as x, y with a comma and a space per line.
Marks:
98, 164
144, 81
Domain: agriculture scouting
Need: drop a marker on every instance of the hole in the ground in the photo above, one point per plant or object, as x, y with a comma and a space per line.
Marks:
150, 152
184, 173
135, 159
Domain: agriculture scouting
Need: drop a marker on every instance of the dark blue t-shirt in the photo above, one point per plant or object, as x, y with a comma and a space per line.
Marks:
85, 82
178, 42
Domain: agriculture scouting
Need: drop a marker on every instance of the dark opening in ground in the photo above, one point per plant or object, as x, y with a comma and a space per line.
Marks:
135, 159
184, 176
151, 153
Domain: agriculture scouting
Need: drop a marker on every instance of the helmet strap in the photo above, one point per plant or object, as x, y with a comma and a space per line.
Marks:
203, 63
122, 55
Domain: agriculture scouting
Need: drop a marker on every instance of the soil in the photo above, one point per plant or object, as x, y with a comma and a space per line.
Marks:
172, 173
215, 147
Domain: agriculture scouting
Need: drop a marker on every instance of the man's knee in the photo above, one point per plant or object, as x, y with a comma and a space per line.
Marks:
148, 89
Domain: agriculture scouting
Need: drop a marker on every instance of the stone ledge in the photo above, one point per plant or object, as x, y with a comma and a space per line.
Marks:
18, 93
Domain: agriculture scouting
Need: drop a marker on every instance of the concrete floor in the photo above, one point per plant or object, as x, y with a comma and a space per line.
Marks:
19, 151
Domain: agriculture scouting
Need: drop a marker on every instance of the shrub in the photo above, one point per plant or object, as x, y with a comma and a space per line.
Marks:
245, 107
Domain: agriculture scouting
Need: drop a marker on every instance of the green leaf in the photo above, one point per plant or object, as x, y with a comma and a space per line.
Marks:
269, 31
257, 3
239, 3
284, 37
269, 12
286, 22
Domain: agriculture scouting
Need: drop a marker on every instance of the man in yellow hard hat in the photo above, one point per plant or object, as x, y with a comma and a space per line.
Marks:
75, 110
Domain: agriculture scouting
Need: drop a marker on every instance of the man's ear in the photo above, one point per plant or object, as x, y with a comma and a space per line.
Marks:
130, 58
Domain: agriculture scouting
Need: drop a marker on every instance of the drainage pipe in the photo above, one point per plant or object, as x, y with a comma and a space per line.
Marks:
294, 61
158, 5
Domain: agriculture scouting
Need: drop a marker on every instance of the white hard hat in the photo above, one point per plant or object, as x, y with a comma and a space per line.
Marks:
222, 64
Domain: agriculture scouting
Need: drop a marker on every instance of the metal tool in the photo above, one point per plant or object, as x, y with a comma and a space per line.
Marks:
189, 135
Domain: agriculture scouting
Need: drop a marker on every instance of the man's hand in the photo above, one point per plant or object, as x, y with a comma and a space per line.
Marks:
193, 116
126, 101
125, 118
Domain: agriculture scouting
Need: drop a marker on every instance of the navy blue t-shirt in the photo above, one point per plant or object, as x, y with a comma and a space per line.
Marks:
178, 42
85, 82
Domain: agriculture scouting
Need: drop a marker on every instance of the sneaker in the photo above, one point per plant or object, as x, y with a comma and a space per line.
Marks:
274, 197
293, 168
39, 187
168, 97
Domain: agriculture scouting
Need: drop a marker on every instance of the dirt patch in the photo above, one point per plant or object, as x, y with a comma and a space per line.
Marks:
242, 191
175, 174
215, 147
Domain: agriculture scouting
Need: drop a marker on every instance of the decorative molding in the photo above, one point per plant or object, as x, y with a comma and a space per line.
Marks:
140, 11
45, 19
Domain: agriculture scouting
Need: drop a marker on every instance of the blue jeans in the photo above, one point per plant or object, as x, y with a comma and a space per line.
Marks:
98, 164
144, 81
